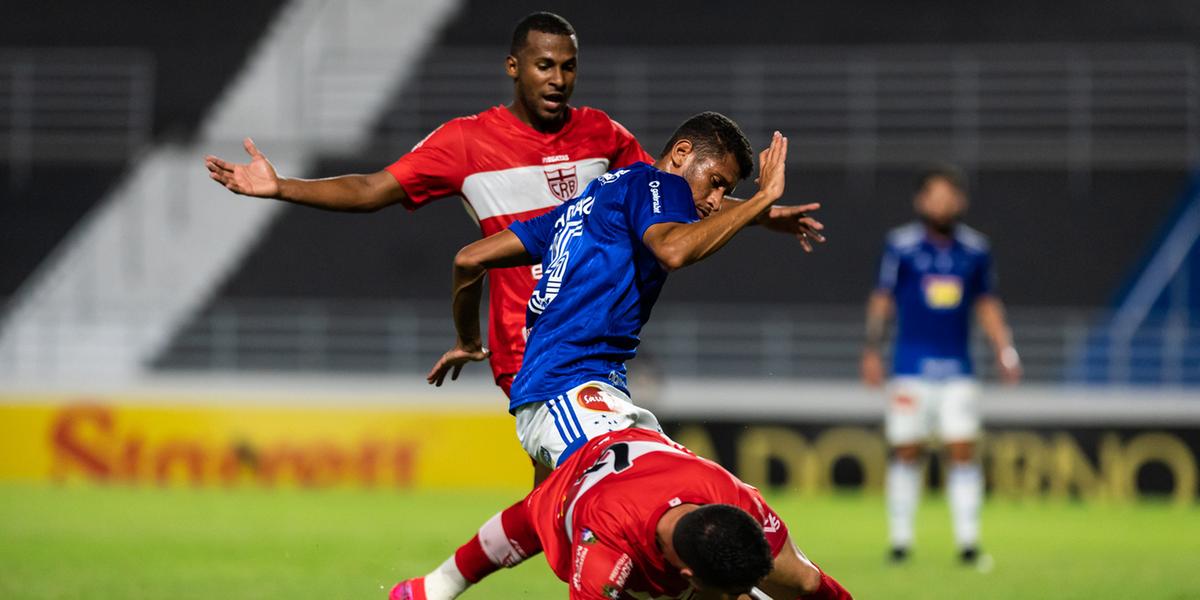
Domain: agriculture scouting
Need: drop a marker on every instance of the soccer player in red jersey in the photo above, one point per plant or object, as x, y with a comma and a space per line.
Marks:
508, 162
636, 515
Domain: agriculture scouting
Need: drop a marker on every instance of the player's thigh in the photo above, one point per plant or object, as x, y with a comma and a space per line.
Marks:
959, 417
553, 430
907, 418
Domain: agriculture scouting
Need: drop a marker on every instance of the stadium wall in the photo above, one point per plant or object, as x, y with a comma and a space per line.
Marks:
803, 437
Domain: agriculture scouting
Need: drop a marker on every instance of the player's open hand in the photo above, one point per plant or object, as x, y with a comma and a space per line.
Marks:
795, 220
255, 178
771, 163
453, 361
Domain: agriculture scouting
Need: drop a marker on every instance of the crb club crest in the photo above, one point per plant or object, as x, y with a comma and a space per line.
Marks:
563, 183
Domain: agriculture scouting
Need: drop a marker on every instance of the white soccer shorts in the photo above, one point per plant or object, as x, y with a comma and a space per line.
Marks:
919, 409
553, 430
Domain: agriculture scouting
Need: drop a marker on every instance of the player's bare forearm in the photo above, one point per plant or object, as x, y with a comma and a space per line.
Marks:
345, 193
989, 311
677, 245
880, 307
504, 249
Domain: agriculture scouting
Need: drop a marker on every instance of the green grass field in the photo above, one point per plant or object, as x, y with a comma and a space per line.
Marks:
127, 543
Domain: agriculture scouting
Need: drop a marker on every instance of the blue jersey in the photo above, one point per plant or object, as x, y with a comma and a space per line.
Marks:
935, 287
599, 280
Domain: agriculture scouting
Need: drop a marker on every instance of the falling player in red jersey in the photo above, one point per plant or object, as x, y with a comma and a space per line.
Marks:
636, 515
508, 163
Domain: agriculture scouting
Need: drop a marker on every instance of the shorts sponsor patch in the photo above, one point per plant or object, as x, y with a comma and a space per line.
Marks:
593, 398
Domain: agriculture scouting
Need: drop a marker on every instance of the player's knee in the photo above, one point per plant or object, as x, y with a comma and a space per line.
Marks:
906, 453
961, 452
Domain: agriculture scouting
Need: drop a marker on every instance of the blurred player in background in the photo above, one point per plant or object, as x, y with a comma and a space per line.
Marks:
635, 515
507, 163
933, 275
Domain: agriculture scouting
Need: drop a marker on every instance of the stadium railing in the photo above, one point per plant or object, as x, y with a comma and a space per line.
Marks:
1074, 105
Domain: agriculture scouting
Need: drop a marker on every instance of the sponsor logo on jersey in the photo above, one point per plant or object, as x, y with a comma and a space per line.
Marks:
555, 159
942, 292
655, 197
563, 182
621, 570
771, 523
592, 398
581, 553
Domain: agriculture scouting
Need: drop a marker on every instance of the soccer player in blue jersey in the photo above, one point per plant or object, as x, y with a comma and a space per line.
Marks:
933, 275
605, 256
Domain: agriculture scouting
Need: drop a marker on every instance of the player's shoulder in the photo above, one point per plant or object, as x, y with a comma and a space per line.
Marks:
906, 237
972, 239
588, 115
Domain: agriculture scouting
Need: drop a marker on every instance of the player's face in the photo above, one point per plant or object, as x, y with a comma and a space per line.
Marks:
940, 204
544, 75
711, 179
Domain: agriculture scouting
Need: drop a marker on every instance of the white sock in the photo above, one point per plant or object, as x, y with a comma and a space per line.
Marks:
965, 486
445, 582
903, 492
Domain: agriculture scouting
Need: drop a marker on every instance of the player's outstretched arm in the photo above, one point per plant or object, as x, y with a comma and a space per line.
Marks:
880, 307
503, 249
794, 576
346, 193
990, 313
677, 245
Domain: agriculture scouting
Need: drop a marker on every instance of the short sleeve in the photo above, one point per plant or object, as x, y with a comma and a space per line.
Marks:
889, 270
983, 280
773, 526
537, 233
435, 168
598, 572
626, 149
658, 198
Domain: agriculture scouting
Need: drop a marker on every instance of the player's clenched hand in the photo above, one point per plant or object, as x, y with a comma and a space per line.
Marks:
255, 178
771, 163
795, 220
454, 361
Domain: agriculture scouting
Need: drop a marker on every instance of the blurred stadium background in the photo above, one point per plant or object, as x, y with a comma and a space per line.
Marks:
159, 332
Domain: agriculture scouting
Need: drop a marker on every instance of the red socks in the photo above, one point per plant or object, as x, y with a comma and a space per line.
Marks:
505, 540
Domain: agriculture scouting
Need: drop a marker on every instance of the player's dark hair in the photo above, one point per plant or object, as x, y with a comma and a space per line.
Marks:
951, 174
715, 135
545, 22
723, 546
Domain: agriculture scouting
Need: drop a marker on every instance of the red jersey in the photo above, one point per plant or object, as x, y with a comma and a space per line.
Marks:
507, 171
596, 515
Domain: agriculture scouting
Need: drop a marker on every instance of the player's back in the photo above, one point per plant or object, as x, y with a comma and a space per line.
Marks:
599, 279
615, 490
935, 286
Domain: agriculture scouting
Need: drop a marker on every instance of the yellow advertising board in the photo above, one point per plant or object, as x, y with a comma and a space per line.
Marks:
144, 441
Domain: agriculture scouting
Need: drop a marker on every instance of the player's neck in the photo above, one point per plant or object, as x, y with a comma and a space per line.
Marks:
939, 237
518, 110
664, 532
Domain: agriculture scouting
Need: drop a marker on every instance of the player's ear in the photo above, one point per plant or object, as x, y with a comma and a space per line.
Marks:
510, 67
680, 152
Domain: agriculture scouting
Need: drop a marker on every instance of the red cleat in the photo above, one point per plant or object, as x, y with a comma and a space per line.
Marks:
409, 589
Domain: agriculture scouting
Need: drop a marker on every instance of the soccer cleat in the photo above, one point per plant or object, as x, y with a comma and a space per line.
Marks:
898, 555
409, 589
971, 556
